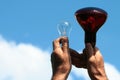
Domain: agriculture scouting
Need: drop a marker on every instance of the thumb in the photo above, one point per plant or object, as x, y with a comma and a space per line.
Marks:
65, 44
56, 43
89, 50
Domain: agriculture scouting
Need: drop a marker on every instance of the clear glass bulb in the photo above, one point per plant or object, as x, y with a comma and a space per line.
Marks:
64, 28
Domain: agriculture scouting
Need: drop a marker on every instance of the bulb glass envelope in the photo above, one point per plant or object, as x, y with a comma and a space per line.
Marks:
64, 28
91, 18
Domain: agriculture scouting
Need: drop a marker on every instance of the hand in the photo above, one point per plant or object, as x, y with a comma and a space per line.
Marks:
92, 60
95, 63
78, 60
60, 59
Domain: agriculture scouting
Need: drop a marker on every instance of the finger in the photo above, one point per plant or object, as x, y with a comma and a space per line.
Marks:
98, 54
73, 53
56, 43
74, 57
78, 60
65, 44
89, 50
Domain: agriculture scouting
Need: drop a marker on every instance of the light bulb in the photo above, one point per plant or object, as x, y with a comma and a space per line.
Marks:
91, 19
64, 28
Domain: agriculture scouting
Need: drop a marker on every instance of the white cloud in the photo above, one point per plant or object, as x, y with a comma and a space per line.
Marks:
28, 62
23, 62
112, 72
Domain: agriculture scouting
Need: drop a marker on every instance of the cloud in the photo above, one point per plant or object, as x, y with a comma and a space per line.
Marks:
23, 62
27, 62
112, 72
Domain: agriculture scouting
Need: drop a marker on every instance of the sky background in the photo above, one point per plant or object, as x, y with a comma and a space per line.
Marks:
27, 25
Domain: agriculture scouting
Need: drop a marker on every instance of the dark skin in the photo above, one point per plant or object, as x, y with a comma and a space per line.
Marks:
63, 57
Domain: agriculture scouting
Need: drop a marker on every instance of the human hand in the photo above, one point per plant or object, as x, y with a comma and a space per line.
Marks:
60, 59
95, 63
78, 60
92, 60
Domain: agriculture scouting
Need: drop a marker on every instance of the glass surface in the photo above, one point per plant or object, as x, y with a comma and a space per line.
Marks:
64, 28
91, 19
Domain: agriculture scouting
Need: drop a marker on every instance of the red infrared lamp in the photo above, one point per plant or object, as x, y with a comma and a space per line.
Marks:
91, 19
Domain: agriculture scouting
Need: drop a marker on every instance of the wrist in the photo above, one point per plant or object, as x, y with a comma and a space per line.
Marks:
98, 76
59, 77
61, 73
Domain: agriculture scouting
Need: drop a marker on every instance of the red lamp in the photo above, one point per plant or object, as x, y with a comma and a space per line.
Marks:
91, 19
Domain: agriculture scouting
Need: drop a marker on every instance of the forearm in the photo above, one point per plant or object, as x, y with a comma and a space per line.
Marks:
59, 77
60, 73
98, 75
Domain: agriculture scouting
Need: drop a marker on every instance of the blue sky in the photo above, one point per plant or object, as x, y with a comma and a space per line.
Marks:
35, 21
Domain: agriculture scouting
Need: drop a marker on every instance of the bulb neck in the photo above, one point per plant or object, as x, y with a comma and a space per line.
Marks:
90, 37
